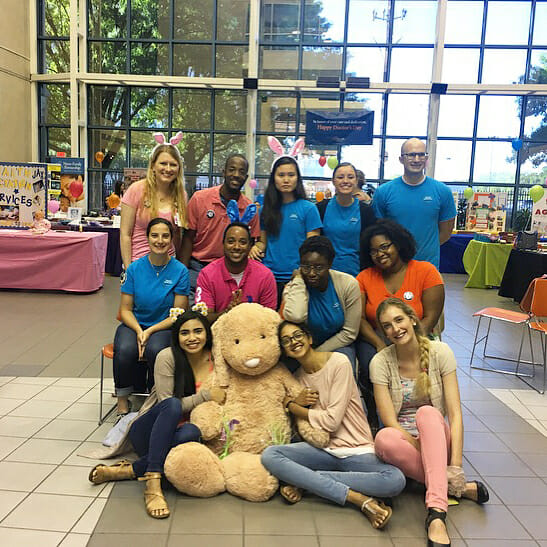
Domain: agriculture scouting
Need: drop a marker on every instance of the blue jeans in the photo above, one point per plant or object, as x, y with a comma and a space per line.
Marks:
329, 477
126, 358
153, 434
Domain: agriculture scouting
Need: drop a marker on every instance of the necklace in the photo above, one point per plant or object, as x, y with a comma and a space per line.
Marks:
158, 269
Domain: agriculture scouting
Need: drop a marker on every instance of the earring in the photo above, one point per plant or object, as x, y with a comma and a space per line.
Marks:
413, 324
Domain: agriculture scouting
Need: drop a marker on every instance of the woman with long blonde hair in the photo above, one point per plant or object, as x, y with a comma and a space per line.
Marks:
415, 386
160, 194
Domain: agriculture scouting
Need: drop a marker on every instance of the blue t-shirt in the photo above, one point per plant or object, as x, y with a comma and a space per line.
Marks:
419, 209
297, 219
153, 295
325, 313
342, 225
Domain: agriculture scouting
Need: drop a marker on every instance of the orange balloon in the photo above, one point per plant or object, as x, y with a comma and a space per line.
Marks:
113, 201
319, 196
99, 156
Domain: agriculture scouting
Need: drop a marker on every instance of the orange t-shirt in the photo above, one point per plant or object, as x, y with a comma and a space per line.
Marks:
419, 276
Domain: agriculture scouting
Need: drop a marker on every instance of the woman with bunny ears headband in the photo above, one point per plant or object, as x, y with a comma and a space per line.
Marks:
287, 218
160, 194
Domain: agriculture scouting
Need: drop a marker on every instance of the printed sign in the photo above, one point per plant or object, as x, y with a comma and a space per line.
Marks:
339, 128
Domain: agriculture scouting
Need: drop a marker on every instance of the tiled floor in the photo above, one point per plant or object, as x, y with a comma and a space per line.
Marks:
47, 420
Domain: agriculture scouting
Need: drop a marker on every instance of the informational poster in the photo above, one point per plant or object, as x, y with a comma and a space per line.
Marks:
22, 193
539, 215
486, 212
339, 128
133, 174
72, 182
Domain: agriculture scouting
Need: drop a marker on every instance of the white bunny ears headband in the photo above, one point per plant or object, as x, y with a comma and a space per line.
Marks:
173, 141
277, 148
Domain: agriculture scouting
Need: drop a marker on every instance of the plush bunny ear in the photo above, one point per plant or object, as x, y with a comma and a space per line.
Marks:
297, 147
176, 139
159, 138
275, 146
249, 213
221, 368
232, 211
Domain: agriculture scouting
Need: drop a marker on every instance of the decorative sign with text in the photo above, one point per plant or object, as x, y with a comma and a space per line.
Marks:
22, 193
339, 128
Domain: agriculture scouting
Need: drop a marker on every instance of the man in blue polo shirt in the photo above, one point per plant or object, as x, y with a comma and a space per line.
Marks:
423, 205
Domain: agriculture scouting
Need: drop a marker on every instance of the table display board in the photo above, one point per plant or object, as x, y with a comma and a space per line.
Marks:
539, 216
486, 212
71, 184
22, 193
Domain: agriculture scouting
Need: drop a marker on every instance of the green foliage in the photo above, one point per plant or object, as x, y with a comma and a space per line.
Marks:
521, 219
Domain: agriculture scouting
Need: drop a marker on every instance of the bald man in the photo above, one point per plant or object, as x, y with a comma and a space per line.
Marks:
423, 205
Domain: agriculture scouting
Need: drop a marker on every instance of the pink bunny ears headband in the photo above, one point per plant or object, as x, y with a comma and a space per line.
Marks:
173, 141
277, 148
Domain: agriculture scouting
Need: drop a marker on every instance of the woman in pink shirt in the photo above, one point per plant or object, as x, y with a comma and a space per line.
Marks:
160, 194
347, 470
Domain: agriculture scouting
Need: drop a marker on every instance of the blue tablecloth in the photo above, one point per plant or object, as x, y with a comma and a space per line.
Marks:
452, 253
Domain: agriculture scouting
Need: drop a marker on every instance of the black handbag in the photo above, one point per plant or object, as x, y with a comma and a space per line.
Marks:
526, 241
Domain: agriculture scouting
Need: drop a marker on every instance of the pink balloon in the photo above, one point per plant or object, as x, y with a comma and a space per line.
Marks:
253, 184
53, 206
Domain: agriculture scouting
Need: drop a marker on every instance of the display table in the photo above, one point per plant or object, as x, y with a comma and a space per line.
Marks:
452, 253
485, 263
522, 267
67, 261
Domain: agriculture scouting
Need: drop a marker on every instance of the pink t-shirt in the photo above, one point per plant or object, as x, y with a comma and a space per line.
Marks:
207, 217
215, 285
339, 409
139, 242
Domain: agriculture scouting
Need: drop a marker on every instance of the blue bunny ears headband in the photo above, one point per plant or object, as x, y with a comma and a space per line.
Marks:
232, 211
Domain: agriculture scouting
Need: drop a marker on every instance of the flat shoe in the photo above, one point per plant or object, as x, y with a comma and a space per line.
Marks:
154, 499
296, 490
482, 493
431, 516
370, 513
123, 470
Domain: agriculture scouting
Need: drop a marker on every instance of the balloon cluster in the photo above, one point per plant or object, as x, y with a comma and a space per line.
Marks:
331, 161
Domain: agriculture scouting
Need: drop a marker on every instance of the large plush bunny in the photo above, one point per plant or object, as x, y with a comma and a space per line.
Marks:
246, 356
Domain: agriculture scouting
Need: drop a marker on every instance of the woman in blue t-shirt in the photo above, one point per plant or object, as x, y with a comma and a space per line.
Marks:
153, 285
345, 218
286, 220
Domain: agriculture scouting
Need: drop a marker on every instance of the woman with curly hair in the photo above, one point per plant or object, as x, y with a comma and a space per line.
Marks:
415, 387
160, 194
387, 251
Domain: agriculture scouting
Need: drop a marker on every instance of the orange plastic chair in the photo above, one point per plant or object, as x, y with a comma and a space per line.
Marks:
537, 301
507, 316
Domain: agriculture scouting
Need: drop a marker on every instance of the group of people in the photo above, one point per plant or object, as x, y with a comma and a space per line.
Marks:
361, 297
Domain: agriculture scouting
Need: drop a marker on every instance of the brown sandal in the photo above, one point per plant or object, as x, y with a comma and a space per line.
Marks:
154, 499
371, 513
121, 471
286, 491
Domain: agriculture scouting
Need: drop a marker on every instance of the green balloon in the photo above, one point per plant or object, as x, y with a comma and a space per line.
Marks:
468, 193
536, 193
332, 162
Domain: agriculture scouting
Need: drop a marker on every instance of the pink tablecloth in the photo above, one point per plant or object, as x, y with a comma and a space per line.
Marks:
67, 261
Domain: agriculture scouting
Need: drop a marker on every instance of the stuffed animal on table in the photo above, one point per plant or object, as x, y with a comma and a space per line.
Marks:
246, 362
40, 225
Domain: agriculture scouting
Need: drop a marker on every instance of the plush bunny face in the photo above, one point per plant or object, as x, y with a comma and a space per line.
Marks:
246, 340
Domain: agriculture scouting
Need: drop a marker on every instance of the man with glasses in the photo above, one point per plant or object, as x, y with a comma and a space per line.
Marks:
423, 205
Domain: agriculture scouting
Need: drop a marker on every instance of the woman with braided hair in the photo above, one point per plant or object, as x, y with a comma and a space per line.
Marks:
415, 386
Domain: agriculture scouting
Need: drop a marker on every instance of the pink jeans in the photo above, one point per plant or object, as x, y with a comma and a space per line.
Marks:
427, 465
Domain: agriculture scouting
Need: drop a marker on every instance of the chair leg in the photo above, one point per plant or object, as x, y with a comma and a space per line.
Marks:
486, 337
475, 343
101, 390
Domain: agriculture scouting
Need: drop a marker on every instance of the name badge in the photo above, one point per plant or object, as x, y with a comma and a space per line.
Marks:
408, 295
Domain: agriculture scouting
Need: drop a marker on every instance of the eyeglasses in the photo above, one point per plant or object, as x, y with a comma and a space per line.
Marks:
317, 268
419, 155
383, 248
297, 336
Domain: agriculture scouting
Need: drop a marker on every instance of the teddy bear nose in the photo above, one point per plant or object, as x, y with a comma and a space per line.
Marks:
252, 363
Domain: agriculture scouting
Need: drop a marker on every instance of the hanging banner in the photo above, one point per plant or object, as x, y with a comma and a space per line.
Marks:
339, 128
22, 193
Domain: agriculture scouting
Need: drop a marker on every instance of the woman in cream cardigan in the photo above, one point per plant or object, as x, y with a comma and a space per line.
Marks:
415, 386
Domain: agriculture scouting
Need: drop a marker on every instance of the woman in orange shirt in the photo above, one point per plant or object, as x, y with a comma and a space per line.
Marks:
387, 249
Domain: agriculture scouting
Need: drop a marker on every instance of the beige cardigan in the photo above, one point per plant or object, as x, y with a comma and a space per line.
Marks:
295, 307
164, 386
384, 370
